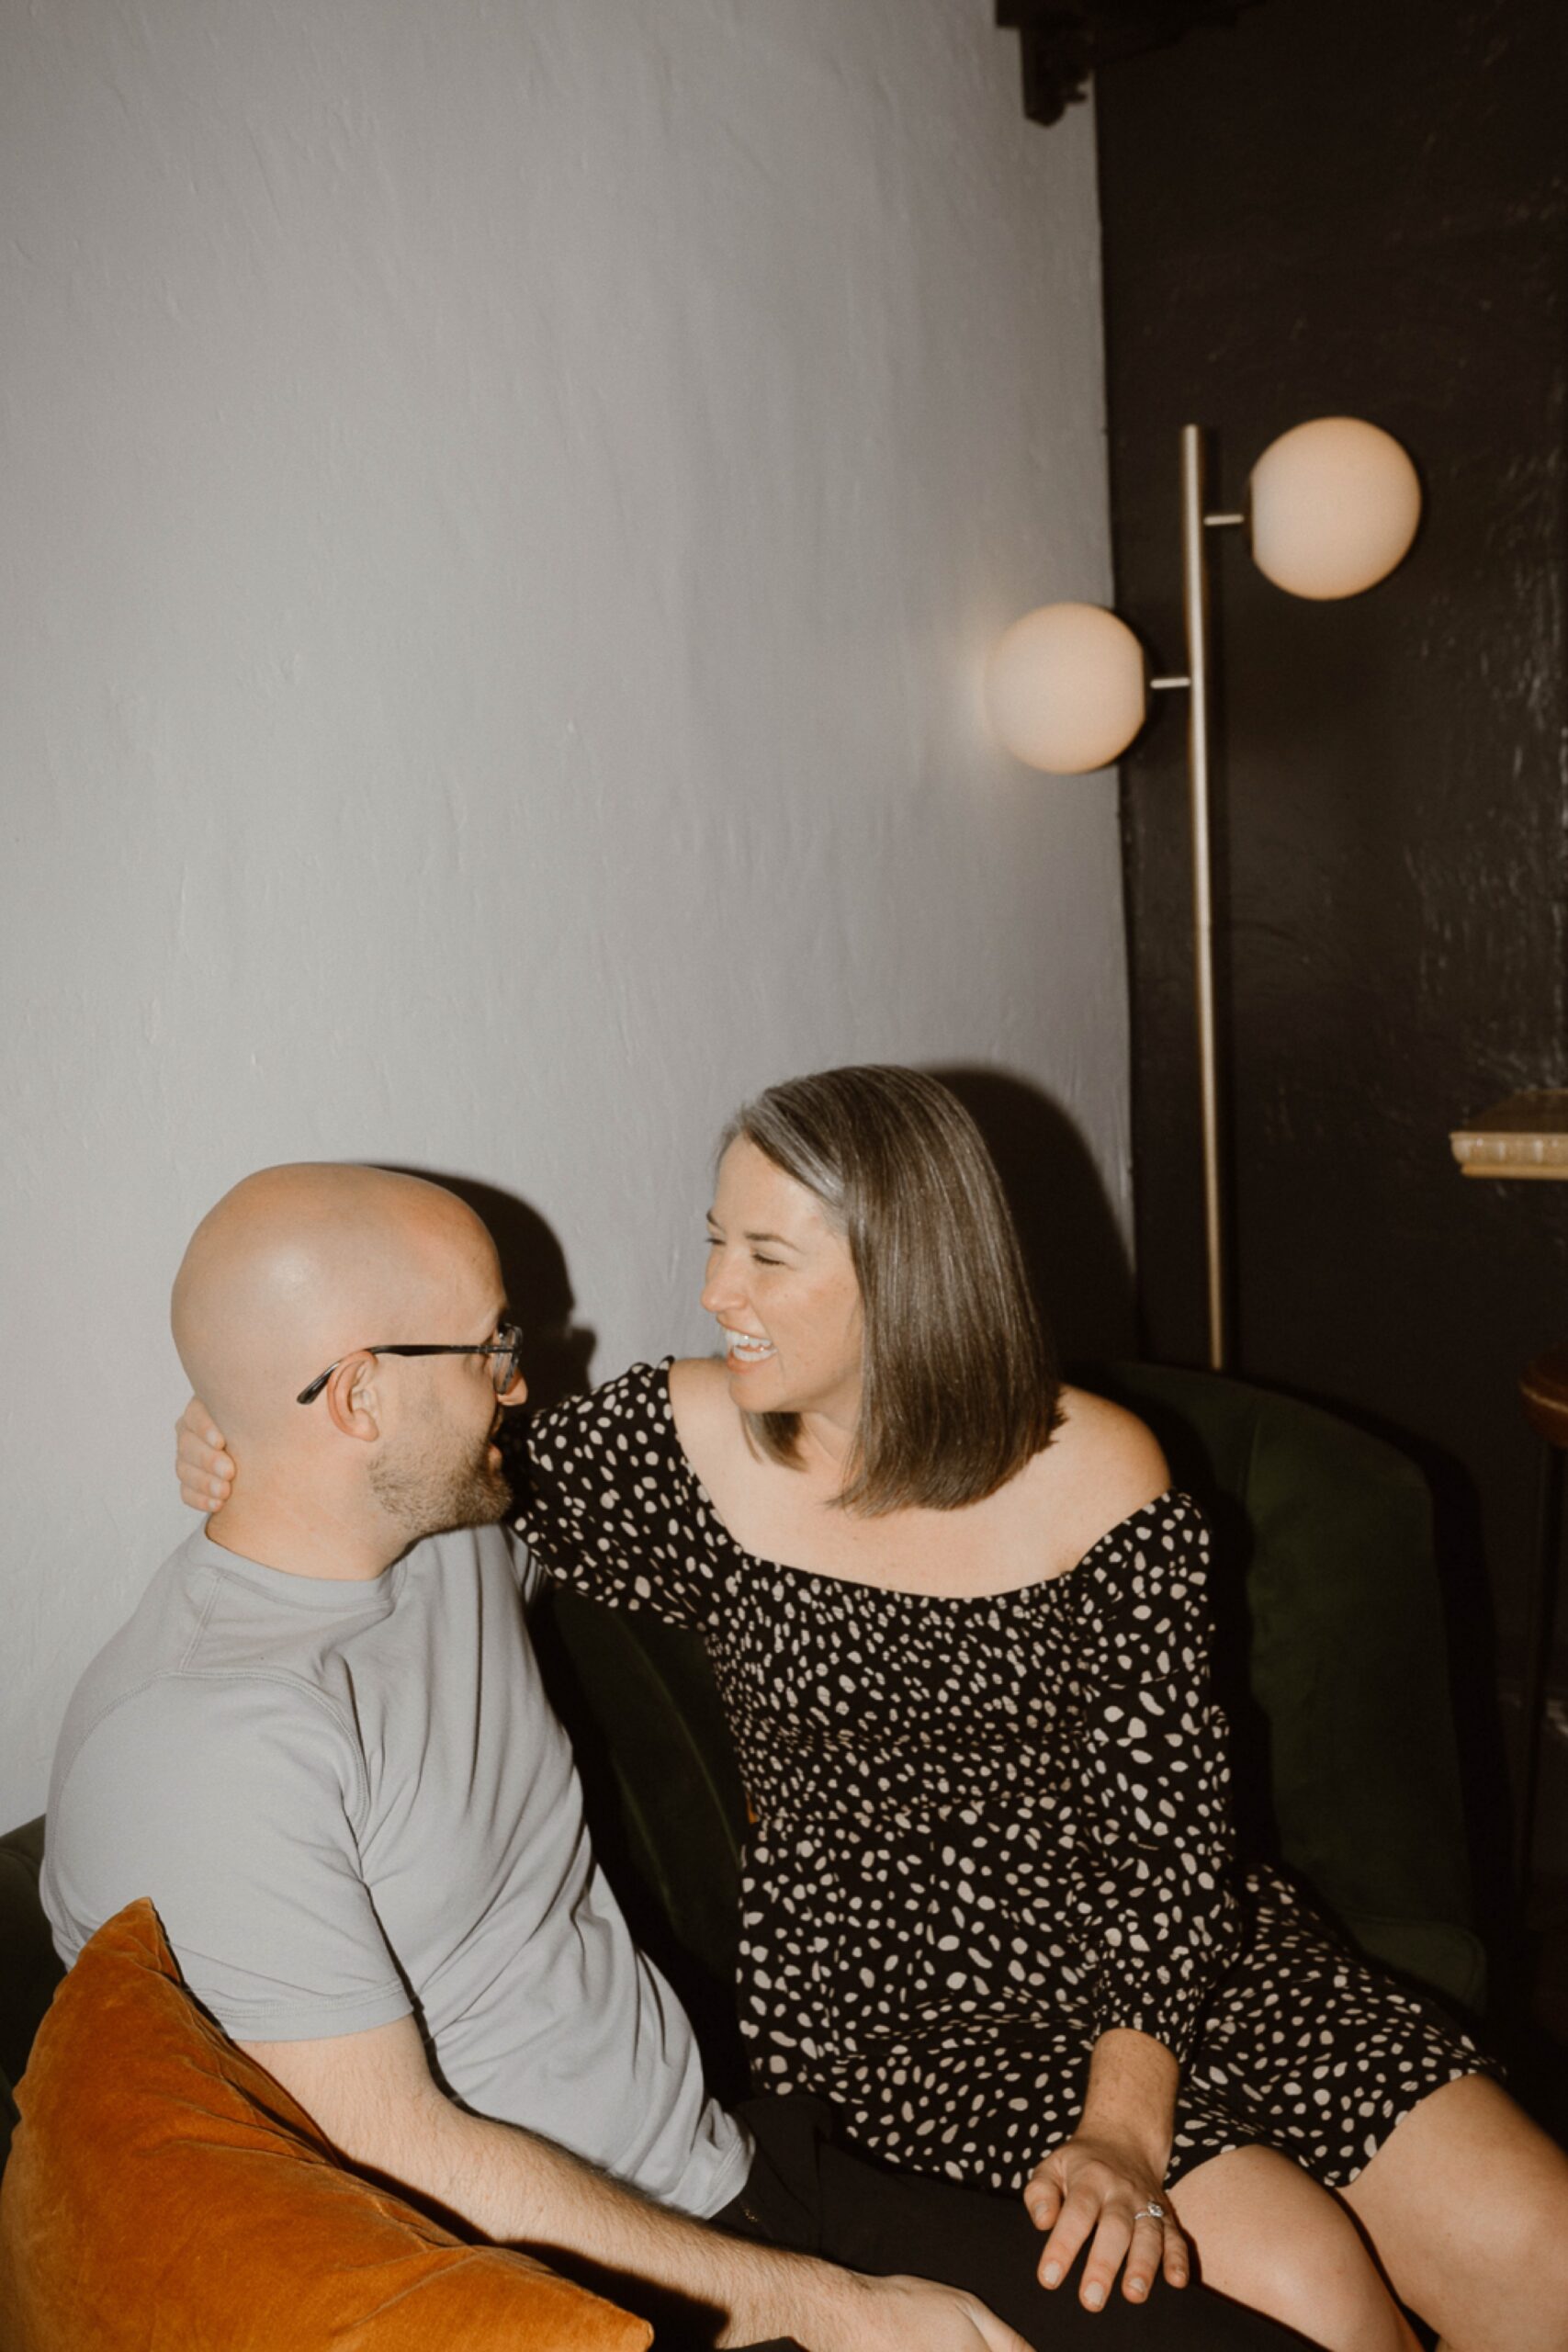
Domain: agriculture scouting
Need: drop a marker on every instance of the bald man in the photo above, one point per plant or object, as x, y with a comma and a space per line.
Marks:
322, 1747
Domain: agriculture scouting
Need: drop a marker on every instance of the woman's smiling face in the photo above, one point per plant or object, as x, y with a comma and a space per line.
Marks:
783, 1288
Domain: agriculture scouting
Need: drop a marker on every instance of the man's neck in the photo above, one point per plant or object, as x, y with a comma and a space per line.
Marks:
308, 1539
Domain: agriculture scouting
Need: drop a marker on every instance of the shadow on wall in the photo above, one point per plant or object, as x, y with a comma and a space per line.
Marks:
557, 1351
1078, 1262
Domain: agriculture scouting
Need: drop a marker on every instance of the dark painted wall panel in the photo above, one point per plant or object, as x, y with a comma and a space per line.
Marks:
1338, 208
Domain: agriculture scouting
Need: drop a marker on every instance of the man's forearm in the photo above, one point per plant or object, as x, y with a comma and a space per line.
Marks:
525, 2191
375, 2097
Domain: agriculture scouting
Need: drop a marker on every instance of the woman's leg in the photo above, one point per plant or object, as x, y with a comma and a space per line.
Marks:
1467, 2204
1267, 2234
806, 2193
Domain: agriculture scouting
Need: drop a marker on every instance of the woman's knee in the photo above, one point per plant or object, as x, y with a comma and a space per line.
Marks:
1517, 2228
1323, 2282
1465, 2203
1267, 2234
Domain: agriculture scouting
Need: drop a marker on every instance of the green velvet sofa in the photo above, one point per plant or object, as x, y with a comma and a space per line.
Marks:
1332, 1657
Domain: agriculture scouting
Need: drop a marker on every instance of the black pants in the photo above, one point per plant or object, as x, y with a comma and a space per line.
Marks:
810, 2196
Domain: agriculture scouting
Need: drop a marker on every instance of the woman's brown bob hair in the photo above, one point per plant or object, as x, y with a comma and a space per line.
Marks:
958, 1386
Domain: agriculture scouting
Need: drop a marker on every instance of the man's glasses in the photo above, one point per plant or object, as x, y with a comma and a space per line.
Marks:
505, 1348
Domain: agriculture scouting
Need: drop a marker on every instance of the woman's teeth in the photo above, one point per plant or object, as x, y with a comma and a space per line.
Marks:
744, 1349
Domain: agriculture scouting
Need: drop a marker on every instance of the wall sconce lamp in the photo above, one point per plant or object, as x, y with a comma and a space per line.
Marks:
1333, 507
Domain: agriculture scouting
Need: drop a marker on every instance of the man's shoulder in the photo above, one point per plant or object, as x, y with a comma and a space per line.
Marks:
155, 1639
225, 1665
164, 1730
194, 1649
156, 1728
159, 1731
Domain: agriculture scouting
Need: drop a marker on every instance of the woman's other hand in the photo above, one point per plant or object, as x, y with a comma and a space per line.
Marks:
1099, 2188
206, 1473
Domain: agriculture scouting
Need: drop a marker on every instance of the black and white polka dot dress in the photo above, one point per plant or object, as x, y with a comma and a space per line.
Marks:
986, 1831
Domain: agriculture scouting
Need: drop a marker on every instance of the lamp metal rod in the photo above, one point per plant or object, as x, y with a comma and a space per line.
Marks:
1223, 521
1195, 603
1158, 685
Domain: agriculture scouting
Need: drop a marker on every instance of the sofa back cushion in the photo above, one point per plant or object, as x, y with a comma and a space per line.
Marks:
1332, 1660
164, 2189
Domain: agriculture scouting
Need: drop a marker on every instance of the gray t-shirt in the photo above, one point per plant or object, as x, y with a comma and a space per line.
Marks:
350, 1801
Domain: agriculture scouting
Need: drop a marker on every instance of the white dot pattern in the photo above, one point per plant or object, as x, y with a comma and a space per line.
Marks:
986, 1831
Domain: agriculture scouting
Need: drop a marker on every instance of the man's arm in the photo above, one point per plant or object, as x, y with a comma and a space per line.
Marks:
374, 2096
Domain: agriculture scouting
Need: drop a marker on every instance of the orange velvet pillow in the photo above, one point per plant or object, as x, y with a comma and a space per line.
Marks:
163, 2189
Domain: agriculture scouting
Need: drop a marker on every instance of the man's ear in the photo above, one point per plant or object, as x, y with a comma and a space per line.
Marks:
350, 1398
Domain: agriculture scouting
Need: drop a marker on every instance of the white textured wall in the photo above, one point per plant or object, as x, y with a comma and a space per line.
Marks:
506, 504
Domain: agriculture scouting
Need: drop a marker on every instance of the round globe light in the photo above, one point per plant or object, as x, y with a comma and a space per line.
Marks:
1065, 688
1335, 507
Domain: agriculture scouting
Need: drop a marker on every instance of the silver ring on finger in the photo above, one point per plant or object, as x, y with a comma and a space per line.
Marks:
1149, 2212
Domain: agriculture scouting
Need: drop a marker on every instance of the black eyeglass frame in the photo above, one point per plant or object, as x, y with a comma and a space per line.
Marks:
507, 1343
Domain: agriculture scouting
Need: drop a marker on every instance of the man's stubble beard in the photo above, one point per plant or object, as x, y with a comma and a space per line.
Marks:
424, 1496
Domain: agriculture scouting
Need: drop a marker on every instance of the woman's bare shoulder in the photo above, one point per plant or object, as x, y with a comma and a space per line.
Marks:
700, 1401
1109, 1440
1107, 1464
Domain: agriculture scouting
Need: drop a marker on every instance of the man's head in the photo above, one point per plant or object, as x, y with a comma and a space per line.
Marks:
303, 1267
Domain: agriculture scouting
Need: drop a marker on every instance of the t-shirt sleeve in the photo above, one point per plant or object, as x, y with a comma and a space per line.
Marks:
1157, 1903
611, 1506
230, 1802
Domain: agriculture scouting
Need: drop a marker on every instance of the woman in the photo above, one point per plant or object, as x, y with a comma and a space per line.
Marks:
959, 1623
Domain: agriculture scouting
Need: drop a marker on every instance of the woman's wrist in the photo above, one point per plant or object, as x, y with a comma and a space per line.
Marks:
1132, 2142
